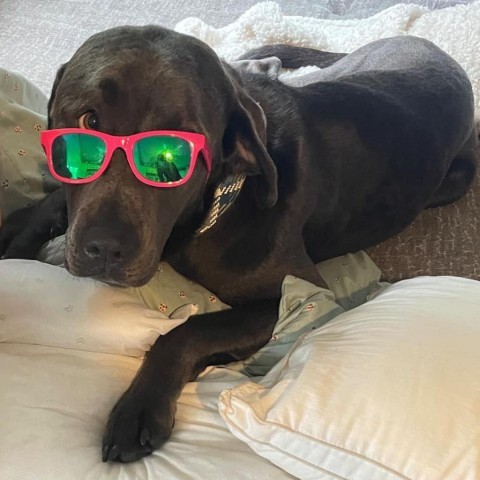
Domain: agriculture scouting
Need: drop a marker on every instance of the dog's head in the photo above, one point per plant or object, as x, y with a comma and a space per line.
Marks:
134, 79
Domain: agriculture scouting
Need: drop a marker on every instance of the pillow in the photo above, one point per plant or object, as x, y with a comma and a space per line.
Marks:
41, 304
24, 176
388, 390
351, 279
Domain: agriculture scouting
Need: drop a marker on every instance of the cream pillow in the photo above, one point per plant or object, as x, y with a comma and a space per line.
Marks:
42, 304
389, 390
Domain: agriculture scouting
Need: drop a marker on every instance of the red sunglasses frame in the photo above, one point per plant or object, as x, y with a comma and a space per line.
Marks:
198, 143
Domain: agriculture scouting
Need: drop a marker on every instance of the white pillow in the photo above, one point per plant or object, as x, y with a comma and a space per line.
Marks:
389, 390
42, 304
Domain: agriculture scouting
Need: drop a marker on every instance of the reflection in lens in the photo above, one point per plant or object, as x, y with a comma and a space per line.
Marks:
162, 159
77, 155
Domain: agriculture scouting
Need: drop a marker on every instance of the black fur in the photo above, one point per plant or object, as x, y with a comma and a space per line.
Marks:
333, 166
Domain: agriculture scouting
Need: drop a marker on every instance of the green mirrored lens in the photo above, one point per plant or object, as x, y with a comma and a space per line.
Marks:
77, 155
162, 159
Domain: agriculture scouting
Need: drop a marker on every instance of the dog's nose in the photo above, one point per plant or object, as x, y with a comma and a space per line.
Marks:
106, 251
103, 252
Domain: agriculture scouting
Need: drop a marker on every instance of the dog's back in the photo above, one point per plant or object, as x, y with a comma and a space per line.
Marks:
402, 96
394, 53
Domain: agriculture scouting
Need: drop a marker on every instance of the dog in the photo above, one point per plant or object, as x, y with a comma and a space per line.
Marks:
334, 166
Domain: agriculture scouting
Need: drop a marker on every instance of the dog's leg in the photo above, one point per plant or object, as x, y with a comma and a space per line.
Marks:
26, 230
294, 57
143, 418
460, 174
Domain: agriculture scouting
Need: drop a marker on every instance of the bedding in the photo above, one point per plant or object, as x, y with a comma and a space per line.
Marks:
386, 391
70, 346
37, 37
24, 176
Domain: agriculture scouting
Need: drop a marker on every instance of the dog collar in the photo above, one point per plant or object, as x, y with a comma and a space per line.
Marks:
224, 196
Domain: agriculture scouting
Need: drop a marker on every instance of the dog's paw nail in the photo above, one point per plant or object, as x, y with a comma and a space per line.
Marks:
144, 437
114, 453
105, 452
109, 452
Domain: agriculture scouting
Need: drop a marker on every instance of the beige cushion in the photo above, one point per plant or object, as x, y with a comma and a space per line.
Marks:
389, 390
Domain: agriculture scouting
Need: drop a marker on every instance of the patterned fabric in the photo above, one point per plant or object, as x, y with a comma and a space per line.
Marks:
225, 194
166, 292
440, 241
352, 280
24, 177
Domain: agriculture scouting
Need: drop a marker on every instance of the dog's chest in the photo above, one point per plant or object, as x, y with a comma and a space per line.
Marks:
230, 276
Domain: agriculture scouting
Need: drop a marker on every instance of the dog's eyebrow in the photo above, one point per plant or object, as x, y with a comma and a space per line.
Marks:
110, 90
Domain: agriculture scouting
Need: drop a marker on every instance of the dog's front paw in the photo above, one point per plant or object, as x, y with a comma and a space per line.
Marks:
26, 230
137, 426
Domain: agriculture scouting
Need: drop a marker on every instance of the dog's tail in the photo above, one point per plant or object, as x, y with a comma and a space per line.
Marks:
294, 57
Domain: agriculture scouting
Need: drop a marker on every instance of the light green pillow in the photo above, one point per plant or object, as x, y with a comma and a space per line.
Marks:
24, 176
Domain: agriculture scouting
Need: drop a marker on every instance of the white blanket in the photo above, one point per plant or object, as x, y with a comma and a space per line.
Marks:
456, 30
69, 347
59, 378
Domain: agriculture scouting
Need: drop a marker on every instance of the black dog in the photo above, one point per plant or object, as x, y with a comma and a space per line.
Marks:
331, 167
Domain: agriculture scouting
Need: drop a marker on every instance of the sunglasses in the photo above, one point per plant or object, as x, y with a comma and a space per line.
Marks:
160, 158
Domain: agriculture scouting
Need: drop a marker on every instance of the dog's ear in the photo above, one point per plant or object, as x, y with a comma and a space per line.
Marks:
56, 82
244, 149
